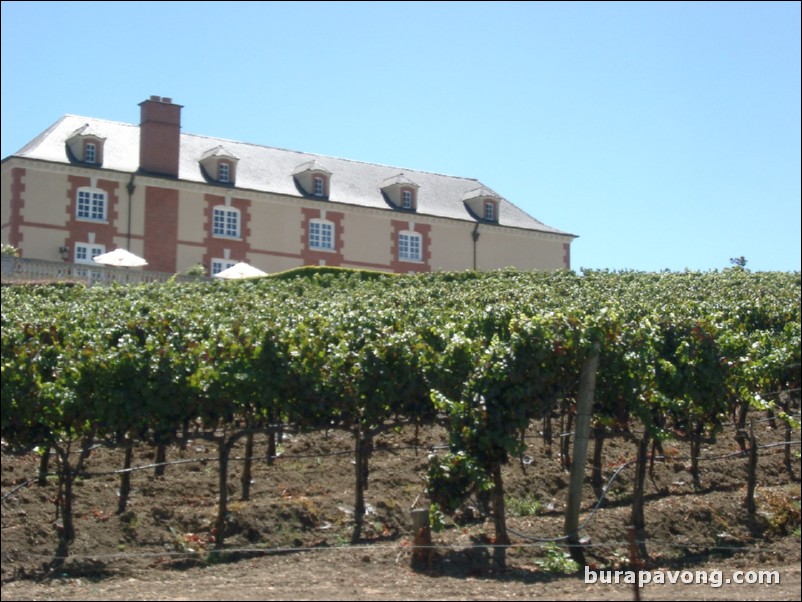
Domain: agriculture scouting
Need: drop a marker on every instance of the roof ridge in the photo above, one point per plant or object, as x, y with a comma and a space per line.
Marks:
440, 193
319, 156
219, 140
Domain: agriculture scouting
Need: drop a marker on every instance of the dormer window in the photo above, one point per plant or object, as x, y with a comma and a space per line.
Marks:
219, 165
313, 179
85, 145
224, 173
483, 204
90, 152
401, 192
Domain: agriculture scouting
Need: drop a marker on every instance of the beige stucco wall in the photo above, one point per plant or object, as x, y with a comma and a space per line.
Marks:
42, 243
137, 208
45, 198
192, 225
499, 248
367, 238
188, 256
272, 263
451, 246
275, 225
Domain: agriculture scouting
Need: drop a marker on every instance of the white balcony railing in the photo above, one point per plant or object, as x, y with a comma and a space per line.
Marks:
20, 269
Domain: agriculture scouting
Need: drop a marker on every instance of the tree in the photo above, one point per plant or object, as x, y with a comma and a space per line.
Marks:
739, 262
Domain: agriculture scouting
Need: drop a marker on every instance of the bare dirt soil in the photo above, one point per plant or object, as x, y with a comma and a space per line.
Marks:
291, 539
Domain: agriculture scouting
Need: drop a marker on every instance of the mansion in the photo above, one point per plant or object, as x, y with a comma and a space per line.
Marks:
86, 186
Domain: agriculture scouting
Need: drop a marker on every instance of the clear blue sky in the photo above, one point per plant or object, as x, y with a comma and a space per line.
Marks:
665, 135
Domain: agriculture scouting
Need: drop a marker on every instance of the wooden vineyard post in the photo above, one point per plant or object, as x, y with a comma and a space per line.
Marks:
584, 409
634, 561
751, 480
422, 539
638, 521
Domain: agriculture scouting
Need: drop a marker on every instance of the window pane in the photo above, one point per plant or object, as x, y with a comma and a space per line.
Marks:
409, 247
225, 222
98, 206
218, 222
91, 205
321, 235
83, 204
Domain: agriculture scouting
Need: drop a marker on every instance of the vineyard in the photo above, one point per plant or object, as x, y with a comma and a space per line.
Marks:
471, 383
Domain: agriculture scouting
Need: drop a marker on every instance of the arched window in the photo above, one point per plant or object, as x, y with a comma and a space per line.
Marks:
91, 205
409, 246
226, 222
321, 235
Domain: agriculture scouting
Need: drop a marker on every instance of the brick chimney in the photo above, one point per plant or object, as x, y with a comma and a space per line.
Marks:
159, 136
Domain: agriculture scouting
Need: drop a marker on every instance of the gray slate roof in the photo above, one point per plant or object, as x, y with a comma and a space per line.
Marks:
266, 169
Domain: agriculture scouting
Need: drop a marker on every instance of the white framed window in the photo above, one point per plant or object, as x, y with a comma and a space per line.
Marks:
224, 173
218, 265
319, 186
225, 222
85, 252
90, 152
91, 205
490, 211
321, 235
409, 246
406, 199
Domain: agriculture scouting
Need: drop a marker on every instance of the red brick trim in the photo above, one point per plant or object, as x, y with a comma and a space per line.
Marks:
78, 230
403, 267
17, 205
315, 256
215, 246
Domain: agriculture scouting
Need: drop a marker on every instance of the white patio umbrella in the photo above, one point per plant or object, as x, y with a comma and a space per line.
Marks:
240, 271
120, 258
